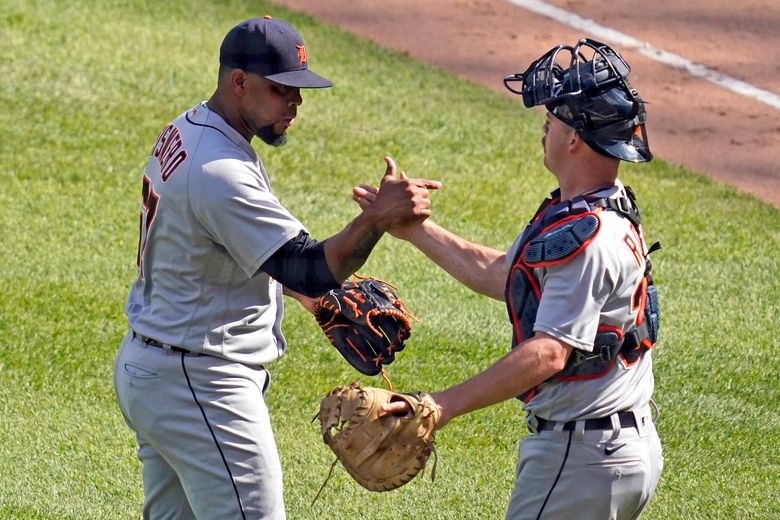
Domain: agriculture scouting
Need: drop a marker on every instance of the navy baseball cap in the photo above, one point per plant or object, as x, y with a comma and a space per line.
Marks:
272, 49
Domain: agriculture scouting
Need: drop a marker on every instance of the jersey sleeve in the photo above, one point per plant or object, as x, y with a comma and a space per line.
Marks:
573, 295
512, 251
235, 205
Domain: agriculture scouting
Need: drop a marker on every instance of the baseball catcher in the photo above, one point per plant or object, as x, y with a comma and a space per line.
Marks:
381, 450
366, 322
580, 297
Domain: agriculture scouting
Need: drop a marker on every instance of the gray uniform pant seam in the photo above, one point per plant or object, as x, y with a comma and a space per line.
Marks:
213, 436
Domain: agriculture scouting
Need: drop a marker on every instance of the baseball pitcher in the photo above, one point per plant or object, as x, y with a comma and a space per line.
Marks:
216, 251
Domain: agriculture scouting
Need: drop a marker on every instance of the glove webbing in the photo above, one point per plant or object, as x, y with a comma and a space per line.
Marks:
376, 330
384, 375
398, 303
369, 450
388, 312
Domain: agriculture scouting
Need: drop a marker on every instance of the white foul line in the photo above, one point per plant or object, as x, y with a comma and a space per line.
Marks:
667, 58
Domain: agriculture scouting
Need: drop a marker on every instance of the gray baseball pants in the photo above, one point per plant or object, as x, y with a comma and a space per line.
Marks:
204, 434
587, 474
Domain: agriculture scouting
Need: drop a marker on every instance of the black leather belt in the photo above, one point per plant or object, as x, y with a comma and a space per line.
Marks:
627, 420
154, 343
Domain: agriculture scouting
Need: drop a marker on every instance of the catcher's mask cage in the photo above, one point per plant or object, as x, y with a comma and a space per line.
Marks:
591, 95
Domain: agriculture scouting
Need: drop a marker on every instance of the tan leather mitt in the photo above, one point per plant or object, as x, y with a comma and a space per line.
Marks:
380, 452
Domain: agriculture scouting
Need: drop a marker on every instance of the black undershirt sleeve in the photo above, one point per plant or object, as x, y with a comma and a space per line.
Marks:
300, 265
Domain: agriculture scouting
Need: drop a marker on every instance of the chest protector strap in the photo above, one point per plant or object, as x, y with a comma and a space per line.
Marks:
558, 232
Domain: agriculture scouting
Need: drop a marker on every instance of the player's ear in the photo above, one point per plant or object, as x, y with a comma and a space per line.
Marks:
238, 82
575, 142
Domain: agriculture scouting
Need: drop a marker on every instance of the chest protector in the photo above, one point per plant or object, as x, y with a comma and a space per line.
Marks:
558, 232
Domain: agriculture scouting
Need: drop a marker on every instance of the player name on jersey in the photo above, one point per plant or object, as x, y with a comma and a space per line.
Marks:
169, 151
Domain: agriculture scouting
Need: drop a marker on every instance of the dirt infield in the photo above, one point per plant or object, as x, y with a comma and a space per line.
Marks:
730, 137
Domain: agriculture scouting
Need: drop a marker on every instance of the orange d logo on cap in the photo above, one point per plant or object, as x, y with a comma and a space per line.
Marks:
301, 54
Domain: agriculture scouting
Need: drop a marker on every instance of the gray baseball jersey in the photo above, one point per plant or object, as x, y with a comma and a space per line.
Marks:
593, 288
209, 221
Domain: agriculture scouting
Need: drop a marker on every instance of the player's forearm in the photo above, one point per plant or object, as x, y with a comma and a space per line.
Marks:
307, 302
480, 268
348, 250
525, 367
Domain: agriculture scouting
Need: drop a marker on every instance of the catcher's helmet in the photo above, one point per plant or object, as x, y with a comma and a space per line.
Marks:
591, 95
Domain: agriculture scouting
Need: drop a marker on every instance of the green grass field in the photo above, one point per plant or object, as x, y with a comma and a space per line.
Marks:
85, 88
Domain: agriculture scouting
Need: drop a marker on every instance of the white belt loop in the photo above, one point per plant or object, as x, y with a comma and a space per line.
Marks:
656, 412
644, 420
615, 418
579, 430
137, 336
558, 428
532, 423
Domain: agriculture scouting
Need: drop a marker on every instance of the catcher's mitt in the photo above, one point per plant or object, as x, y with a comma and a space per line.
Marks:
381, 452
366, 322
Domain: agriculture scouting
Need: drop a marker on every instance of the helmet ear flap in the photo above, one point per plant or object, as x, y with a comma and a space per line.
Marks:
570, 113
581, 120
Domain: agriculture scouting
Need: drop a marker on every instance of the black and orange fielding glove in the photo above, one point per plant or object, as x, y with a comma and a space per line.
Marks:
366, 322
